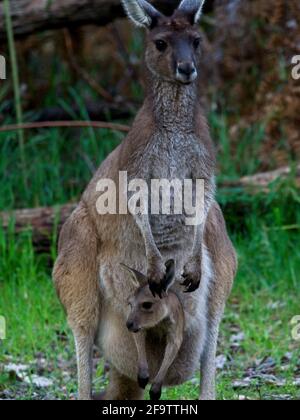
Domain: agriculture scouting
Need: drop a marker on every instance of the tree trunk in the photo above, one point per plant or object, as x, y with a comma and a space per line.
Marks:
31, 16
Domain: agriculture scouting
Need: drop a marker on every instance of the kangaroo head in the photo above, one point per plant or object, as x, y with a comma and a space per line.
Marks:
146, 311
173, 46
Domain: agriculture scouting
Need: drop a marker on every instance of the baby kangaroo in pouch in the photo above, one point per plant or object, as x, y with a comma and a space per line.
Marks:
149, 312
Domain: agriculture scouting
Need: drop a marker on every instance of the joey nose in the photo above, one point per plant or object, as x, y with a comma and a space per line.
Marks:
130, 325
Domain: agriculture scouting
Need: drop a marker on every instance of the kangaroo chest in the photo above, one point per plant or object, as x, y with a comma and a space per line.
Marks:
175, 155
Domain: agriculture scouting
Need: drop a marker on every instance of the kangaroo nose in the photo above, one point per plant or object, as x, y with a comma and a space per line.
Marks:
186, 69
132, 327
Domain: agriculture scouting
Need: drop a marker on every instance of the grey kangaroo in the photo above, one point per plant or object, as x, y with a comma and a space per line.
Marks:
169, 139
147, 313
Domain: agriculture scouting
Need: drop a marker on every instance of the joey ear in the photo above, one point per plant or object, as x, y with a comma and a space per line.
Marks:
141, 12
192, 8
137, 278
170, 274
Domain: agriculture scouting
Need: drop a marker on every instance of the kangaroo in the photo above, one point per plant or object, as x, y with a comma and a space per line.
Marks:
148, 312
169, 139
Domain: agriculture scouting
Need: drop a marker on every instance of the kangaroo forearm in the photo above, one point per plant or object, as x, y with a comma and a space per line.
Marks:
144, 226
156, 269
200, 227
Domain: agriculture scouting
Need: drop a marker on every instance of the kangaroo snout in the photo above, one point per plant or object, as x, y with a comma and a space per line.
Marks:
132, 327
186, 72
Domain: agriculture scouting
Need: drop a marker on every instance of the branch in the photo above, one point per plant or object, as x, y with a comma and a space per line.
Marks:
30, 16
262, 181
95, 110
66, 124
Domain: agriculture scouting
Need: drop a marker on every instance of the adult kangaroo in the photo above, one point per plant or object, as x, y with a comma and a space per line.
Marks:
169, 140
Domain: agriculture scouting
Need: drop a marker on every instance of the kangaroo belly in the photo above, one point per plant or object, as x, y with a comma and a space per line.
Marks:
171, 234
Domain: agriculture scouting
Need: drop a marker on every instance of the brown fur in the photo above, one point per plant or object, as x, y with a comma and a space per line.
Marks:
164, 315
169, 138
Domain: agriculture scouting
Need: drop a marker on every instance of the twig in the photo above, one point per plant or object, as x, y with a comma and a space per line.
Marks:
66, 124
16, 85
96, 111
83, 73
284, 228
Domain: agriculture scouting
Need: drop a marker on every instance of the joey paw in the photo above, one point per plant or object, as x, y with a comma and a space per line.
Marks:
143, 379
155, 392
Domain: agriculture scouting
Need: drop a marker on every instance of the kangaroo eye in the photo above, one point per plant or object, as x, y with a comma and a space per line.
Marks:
147, 305
196, 43
161, 45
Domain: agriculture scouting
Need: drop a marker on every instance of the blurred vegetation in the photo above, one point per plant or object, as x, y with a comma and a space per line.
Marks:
246, 71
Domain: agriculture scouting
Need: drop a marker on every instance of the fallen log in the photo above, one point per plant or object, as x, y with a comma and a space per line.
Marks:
46, 221
261, 181
30, 16
43, 222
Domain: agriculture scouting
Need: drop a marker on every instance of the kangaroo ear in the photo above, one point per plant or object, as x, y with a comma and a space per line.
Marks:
137, 278
193, 8
170, 274
141, 12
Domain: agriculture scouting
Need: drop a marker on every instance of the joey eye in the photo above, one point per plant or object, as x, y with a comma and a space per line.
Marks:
161, 45
196, 43
147, 305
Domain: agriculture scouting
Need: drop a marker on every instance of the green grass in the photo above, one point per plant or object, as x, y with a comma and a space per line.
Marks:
60, 164
265, 230
269, 263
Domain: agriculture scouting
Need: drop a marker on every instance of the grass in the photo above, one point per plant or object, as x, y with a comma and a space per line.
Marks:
16, 83
60, 165
263, 302
265, 230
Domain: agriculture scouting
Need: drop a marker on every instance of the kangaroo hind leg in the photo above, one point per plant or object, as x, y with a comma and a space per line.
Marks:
75, 277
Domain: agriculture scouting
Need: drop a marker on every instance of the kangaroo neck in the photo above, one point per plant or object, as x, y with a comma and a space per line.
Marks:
173, 105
